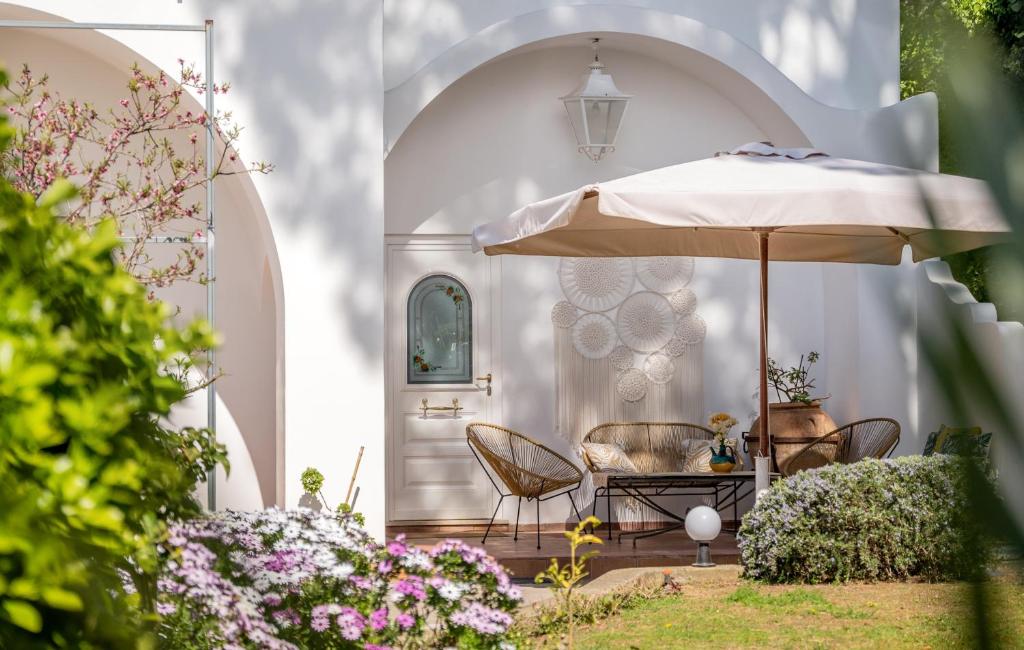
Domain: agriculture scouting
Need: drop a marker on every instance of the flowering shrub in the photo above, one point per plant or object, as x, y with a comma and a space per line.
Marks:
139, 163
871, 520
300, 579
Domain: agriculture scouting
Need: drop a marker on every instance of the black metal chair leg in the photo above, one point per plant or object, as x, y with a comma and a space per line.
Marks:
519, 505
538, 524
579, 517
491, 522
607, 495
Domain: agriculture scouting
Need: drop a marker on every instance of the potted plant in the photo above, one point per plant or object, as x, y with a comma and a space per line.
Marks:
797, 418
723, 456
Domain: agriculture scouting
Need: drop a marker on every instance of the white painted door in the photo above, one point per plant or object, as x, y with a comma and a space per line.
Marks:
442, 332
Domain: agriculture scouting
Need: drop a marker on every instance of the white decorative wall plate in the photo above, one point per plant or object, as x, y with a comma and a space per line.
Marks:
621, 358
593, 336
683, 301
659, 368
691, 329
664, 274
645, 321
564, 314
676, 347
632, 385
596, 283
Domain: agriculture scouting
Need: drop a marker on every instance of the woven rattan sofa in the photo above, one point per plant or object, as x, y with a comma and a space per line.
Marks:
652, 447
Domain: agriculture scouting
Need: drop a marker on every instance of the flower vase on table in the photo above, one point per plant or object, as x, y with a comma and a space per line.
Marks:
723, 459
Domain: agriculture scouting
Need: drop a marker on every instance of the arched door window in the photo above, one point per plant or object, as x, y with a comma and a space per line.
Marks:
440, 332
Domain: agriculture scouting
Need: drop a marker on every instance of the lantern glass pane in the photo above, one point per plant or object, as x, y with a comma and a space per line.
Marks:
603, 118
574, 107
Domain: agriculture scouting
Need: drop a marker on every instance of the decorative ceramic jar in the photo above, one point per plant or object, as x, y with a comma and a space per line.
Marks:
724, 460
793, 425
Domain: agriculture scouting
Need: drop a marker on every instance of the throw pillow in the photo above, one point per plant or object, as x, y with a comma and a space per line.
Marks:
956, 440
698, 455
601, 457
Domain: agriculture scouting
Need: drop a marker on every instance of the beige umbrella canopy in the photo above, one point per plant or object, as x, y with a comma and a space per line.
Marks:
759, 202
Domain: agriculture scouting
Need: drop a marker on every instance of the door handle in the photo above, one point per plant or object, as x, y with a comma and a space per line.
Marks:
486, 378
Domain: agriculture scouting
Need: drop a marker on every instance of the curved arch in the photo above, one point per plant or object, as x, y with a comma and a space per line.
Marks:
913, 123
108, 60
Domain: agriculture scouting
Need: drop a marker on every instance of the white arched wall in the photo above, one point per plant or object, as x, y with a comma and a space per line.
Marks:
499, 137
903, 133
90, 66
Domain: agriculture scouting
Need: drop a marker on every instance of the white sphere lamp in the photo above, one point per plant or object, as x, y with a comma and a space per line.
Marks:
703, 525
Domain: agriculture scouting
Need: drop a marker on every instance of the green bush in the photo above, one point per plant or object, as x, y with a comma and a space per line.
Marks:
872, 520
87, 471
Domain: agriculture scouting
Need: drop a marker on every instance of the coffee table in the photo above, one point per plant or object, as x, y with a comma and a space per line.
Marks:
727, 490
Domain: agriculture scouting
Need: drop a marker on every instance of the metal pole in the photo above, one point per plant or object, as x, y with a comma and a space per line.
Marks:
763, 433
211, 265
137, 27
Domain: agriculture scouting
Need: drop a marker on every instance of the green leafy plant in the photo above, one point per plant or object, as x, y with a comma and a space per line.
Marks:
563, 579
313, 482
871, 520
89, 469
794, 382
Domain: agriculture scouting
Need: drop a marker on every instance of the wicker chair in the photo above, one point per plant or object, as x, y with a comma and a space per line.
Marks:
871, 438
528, 469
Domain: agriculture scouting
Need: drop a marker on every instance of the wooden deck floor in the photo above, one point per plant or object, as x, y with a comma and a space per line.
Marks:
524, 560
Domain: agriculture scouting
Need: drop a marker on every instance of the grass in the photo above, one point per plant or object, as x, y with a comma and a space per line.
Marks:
722, 611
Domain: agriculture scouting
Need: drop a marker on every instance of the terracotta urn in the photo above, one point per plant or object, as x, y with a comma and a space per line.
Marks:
793, 425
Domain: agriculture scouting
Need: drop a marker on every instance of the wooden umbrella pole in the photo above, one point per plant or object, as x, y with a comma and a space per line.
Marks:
762, 439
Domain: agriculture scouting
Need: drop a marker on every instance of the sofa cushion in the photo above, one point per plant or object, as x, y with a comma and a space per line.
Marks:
607, 457
951, 440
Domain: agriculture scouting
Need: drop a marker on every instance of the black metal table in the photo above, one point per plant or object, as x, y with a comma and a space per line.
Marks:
727, 490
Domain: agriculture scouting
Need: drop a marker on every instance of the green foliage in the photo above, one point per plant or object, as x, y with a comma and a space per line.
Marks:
565, 578
871, 520
934, 34
312, 480
87, 470
345, 510
794, 382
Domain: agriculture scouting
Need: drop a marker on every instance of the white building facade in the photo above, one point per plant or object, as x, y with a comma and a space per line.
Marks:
396, 127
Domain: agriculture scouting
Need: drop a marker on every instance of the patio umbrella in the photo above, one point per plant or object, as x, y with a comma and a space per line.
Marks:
759, 202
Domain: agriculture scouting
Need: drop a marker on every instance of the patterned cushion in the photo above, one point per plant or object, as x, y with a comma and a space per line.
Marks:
698, 456
607, 458
956, 440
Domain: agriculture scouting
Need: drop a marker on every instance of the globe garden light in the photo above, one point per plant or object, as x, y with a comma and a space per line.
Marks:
595, 110
703, 525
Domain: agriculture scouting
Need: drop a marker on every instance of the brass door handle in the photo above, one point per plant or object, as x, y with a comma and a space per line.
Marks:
486, 378
454, 408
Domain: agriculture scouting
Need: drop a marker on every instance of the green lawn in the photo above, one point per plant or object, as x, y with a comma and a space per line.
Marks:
726, 612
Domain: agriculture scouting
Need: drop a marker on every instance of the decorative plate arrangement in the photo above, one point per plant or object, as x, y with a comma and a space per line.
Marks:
596, 283
564, 314
621, 358
642, 333
659, 368
691, 329
593, 336
683, 302
665, 274
632, 385
646, 321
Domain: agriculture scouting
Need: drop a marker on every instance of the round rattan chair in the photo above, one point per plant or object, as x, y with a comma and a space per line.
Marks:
871, 438
528, 469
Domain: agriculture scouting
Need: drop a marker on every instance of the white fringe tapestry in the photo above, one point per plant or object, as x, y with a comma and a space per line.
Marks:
628, 347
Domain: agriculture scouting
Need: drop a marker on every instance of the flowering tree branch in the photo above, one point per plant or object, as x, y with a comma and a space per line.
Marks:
139, 163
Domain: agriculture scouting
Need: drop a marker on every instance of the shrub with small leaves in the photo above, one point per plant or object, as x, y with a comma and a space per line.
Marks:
88, 471
871, 520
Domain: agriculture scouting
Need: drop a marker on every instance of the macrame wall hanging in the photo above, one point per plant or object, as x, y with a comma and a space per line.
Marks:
628, 342
629, 348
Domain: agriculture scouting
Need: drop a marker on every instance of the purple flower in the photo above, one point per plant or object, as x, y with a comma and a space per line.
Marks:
379, 619
405, 620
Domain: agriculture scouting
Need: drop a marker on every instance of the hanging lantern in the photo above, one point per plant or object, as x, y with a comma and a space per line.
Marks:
595, 110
